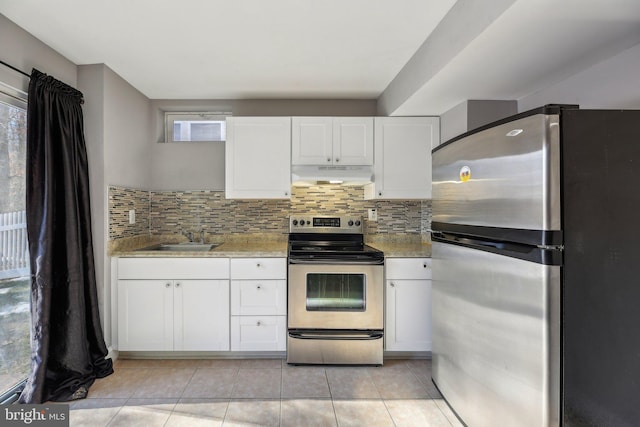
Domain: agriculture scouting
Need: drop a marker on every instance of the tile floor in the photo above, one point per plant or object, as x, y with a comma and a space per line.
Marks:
262, 392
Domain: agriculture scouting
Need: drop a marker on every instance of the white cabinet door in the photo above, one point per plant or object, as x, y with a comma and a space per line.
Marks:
408, 315
353, 141
167, 315
311, 140
346, 141
250, 297
201, 310
175, 268
258, 333
258, 268
403, 157
145, 315
258, 158
408, 268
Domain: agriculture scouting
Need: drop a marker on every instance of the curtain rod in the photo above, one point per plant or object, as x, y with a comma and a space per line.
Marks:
14, 68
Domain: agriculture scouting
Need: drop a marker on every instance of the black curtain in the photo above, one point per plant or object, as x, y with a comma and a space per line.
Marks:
67, 345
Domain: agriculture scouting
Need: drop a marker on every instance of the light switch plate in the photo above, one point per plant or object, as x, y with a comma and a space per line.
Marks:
132, 216
373, 214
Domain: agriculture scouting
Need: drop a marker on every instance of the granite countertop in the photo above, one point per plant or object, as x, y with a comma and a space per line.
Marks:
245, 245
404, 250
259, 245
401, 245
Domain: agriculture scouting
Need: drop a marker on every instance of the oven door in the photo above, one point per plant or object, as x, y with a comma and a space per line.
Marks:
340, 296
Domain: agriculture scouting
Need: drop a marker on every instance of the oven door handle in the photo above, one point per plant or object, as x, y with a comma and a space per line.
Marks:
376, 335
336, 261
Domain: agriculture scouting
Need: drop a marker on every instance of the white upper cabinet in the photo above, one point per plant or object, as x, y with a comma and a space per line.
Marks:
258, 158
312, 140
333, 141
403, 157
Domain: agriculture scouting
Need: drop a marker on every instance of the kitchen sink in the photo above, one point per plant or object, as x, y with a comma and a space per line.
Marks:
179, 247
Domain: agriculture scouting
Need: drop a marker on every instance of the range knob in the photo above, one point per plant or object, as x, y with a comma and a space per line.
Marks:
308, 222
294, 222
358, 222
350, 223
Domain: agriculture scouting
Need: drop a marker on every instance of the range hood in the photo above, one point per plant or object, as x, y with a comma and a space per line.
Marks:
305, 176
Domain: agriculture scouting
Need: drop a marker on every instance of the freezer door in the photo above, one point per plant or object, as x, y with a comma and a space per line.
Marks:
506, 176
496, 337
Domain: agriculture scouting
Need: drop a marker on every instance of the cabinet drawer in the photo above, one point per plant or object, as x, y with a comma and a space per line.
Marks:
258, 333
258, 268
265, 297
173, 268
408, 268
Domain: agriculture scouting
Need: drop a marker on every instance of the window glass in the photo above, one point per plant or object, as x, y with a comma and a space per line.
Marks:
14, 257
196, 127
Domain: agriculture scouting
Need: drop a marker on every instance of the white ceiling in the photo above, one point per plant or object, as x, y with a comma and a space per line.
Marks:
219, 49
339, 49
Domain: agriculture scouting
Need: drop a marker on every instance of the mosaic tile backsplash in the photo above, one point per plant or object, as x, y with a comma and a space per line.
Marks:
172, 212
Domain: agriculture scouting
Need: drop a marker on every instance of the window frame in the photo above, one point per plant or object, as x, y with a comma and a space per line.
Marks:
15, 97
170, 117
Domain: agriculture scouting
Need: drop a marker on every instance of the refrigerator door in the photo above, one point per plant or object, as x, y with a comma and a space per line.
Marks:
506, 176
496, 344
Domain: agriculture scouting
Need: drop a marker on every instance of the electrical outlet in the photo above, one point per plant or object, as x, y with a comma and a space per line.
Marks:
132, 216
373, 214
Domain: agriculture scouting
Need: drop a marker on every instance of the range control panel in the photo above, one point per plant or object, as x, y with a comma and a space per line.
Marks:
325, 224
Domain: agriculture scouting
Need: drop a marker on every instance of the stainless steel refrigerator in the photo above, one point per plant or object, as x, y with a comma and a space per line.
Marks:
536, 269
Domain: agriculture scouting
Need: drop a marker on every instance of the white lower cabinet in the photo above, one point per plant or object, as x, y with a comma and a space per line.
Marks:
258, 304
258, 333
145, 315
186, 312
408, 304
201, 315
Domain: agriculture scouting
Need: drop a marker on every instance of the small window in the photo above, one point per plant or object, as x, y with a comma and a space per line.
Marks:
195, 127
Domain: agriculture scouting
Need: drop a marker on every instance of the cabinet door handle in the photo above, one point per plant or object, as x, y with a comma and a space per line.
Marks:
380, 193
424, 265
178, 285
393, 285
258, 265
328, 160
167, 285
337, 160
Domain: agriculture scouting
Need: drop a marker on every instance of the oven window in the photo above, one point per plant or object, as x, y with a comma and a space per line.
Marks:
336, 292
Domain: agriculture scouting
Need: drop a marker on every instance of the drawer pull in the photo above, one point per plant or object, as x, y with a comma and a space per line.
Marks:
258, 323
259, 287
424, 265
258, 265
167, 285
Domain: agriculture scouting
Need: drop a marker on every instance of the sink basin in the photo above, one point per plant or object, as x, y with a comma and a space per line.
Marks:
178, 247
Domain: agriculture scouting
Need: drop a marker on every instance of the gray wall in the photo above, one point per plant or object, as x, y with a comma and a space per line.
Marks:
473, 113
90, 83
200, 166
127, 133
25, 52
610, 84
118, 134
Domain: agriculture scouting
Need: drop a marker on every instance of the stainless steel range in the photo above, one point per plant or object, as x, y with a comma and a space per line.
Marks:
335, 293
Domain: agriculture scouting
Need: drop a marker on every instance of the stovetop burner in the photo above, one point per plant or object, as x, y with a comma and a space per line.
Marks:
330, 240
